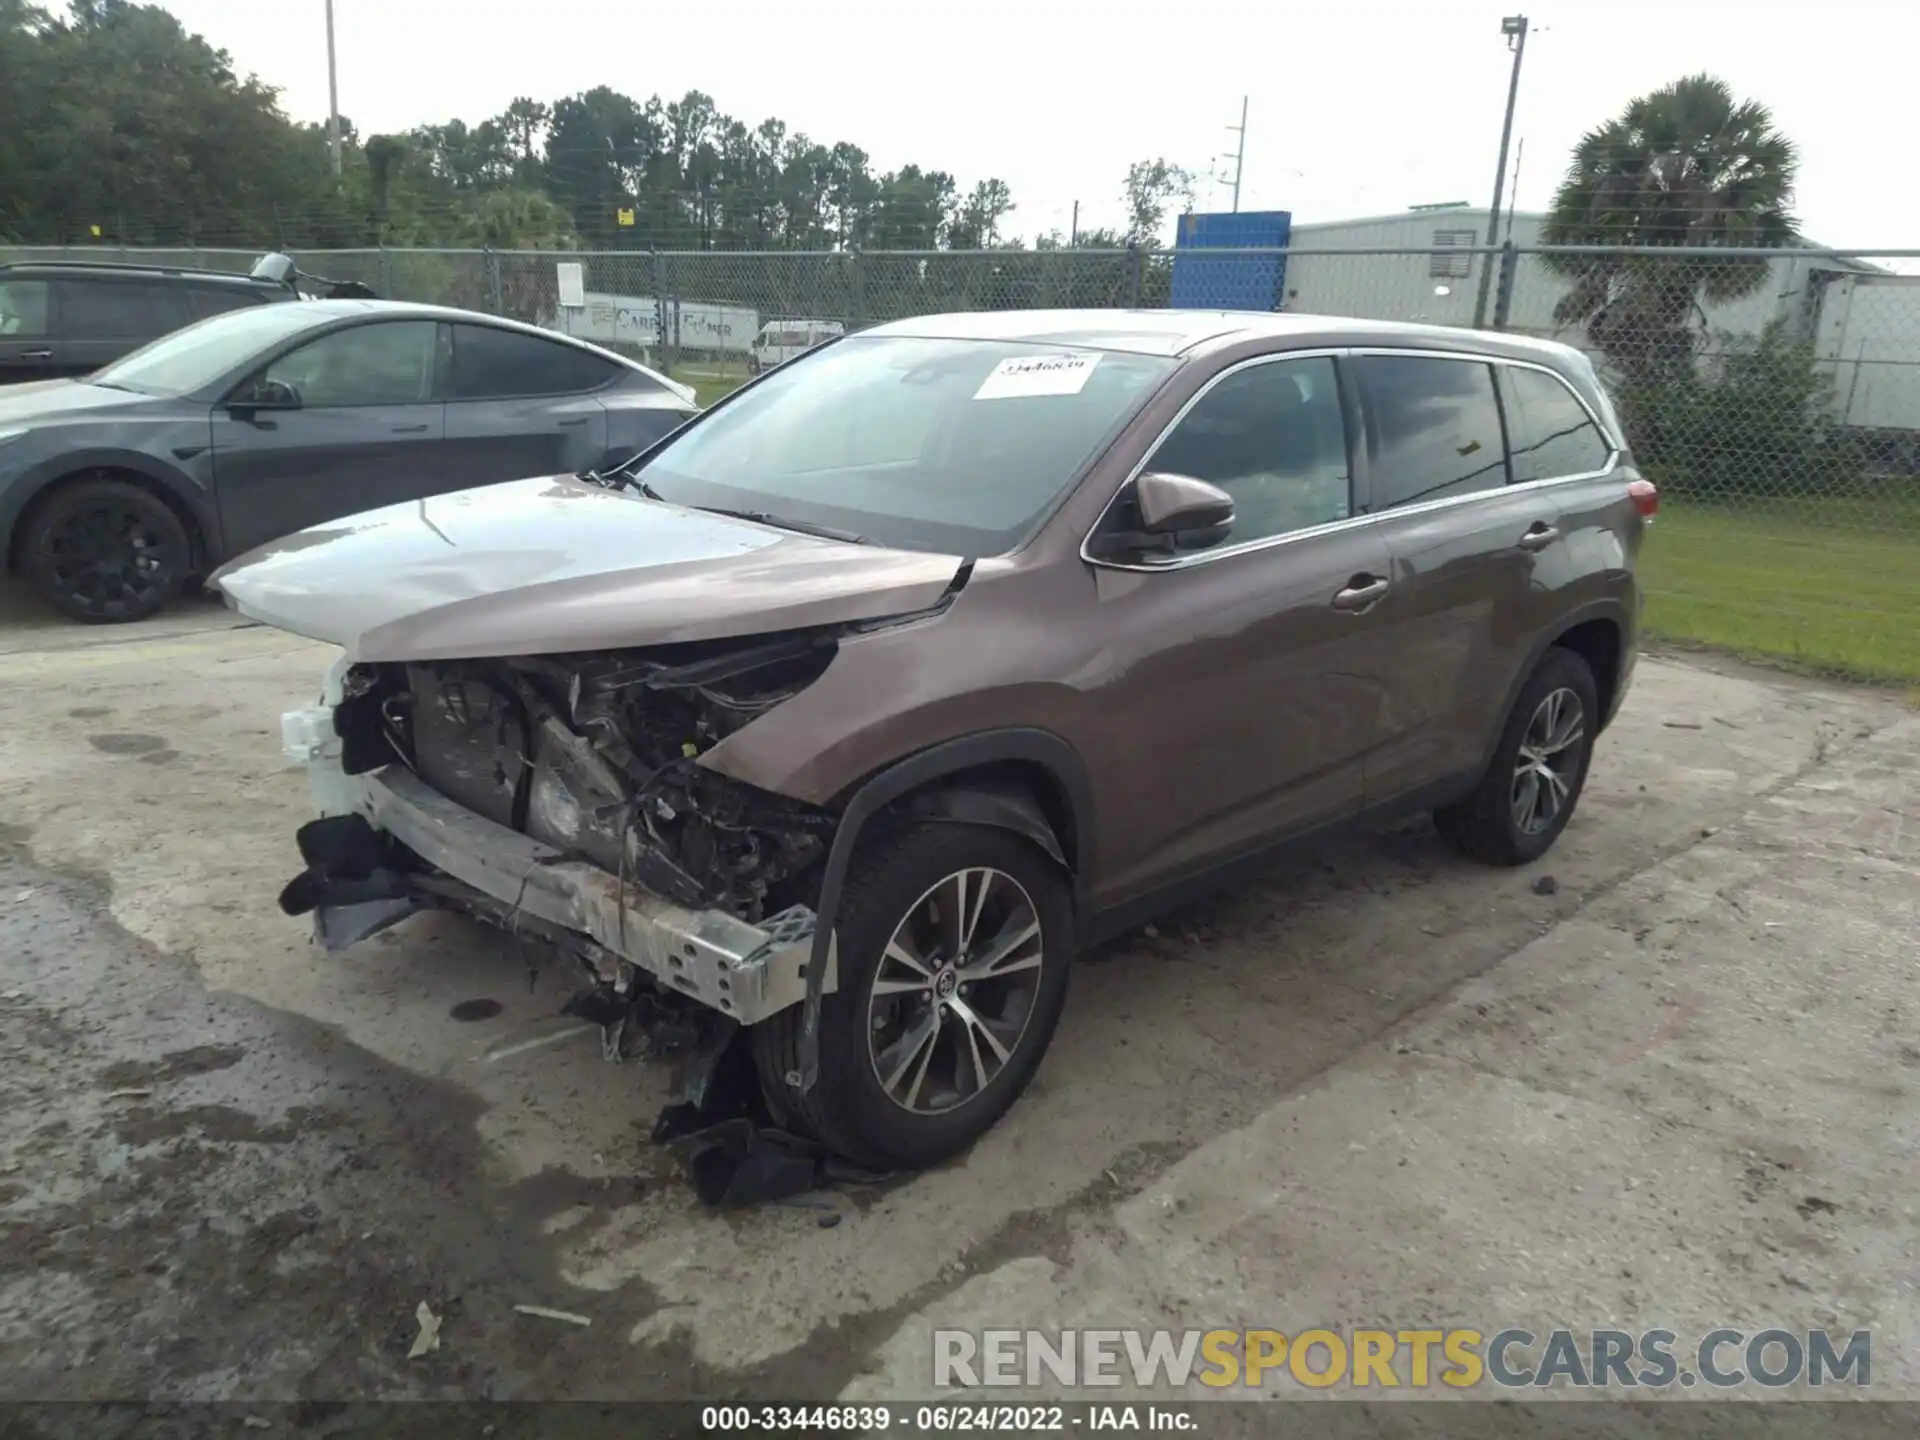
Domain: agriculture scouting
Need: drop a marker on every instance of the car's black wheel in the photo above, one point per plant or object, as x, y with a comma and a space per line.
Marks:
1533, 782
953, 955
105, 551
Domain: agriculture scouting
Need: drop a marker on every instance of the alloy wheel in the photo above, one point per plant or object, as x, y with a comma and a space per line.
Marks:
1548, 761
107, 554
954, 989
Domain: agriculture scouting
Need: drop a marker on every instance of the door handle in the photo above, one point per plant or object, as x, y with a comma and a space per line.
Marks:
577, 420
410, 429
1361, 593
1539, 537
36, 354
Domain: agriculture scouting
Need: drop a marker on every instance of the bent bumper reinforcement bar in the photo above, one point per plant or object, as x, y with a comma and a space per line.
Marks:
745, 971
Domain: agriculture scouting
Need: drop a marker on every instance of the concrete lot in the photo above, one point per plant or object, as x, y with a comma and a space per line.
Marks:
1381, 1086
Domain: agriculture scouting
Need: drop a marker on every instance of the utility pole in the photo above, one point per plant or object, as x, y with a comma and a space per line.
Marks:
1073, 235
1514, 27
1519, 159
333, 98
1239, 152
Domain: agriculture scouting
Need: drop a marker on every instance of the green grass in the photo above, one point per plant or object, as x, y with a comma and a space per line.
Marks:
711, 380
1768, 581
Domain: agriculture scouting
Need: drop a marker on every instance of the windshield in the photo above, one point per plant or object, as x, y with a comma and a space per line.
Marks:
190, 359
955, 446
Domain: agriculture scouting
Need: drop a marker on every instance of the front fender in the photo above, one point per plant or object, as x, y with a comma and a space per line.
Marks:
176, 480
925, 767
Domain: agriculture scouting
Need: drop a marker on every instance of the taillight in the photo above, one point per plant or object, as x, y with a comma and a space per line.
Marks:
1645, 497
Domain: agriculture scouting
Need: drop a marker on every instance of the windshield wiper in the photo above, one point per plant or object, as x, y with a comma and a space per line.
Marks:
617, 479
782, 522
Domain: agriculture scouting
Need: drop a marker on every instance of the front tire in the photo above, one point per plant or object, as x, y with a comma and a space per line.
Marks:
1538, 769
954, 948
106, 552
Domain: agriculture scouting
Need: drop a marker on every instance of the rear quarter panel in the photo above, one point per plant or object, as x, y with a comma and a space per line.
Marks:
636, 417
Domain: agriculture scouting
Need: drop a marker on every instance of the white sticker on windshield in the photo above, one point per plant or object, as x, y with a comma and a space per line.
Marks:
1037, 375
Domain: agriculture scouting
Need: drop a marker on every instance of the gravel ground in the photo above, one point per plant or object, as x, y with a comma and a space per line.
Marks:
1378, 1086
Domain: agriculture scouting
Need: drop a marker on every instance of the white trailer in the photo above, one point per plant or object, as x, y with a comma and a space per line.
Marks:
1868, 329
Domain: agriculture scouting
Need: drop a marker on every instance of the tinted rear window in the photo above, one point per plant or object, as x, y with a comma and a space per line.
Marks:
497, 364
169, 307
102, 309
1435, 428
1549, 431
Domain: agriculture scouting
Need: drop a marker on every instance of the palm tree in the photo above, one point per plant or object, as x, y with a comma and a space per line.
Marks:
1688, 164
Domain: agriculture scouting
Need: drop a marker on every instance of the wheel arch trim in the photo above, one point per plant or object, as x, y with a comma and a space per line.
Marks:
169, 485
967, 801
1609, 610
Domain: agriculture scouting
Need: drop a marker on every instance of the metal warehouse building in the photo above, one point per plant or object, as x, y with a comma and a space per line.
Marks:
1439, 285
1861, 318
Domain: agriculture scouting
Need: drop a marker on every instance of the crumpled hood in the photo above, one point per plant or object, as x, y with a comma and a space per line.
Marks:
539, 567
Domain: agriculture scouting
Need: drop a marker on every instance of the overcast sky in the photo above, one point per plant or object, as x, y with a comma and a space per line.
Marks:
1357, 107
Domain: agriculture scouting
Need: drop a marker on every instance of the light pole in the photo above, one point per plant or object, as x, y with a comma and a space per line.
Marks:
1239, 152
1514, 27
333, 98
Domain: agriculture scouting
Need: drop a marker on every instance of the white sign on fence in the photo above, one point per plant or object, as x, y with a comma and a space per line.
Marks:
636, 320
572, 276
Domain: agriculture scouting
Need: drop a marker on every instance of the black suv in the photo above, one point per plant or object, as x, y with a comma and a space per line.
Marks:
70, 317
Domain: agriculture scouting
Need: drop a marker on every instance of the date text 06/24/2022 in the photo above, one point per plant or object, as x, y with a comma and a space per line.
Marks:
943, 1419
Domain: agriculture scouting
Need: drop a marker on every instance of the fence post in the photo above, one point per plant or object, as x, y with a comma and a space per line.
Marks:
664, 308
1136, 274
1503, 293
493, 281
386, 273
859, 288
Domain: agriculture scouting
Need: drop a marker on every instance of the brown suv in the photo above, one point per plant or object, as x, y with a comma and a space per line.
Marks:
851, 711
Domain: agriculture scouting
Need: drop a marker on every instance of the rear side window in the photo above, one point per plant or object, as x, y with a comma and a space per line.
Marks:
490, 364
1435, 428
168, 307
107, 310
1549, 431
23, 306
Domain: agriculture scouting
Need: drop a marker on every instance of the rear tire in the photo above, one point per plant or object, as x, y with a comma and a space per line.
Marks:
106, 552
1538, 769
938, 1023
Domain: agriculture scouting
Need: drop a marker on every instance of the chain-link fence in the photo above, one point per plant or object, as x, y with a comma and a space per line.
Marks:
1773, 395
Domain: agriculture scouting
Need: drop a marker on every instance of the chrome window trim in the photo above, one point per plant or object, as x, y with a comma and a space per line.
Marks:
1352, 522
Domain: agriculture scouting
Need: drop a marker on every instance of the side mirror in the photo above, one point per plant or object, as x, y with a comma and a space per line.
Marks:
263, 394
1166, 514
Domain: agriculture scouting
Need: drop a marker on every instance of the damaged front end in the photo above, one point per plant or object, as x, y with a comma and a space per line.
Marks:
562, 797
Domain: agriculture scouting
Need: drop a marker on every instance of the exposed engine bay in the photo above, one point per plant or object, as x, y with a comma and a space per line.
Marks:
596, 756
685, 896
